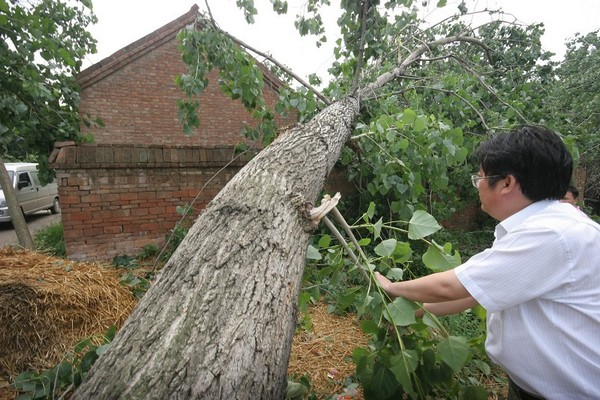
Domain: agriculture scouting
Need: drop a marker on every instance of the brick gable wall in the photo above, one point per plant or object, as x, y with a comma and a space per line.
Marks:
138, 104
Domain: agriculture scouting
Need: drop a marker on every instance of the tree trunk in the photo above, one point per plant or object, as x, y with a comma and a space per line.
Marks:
219, 322
16, 215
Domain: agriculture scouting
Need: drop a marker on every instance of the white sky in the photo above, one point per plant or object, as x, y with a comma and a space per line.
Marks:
121, 22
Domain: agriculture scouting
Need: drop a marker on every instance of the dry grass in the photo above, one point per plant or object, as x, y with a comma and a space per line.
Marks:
49, 304
324, 354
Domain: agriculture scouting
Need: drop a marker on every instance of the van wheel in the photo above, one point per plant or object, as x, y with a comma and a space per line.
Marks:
55, 207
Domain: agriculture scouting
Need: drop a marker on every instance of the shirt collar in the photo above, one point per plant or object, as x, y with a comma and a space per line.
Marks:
515, 220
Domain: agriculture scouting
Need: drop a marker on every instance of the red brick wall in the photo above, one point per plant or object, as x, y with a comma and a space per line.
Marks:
467, 218
138, 104
116, 199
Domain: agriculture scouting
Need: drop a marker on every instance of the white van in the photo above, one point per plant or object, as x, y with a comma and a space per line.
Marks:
31, 194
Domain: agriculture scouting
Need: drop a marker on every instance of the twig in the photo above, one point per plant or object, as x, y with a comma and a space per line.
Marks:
344, 244
212, 19
361, 49
274, 61
342, 221
490, 89
413, 57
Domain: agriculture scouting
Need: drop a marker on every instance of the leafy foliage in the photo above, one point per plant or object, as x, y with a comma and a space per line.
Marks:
240, 78
68, 374
575, 101
414, 137
406, 356
42, 46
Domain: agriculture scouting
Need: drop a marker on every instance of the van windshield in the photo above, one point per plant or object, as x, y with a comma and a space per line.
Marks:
11, 175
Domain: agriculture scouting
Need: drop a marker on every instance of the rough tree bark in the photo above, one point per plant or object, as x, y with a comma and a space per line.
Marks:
16, 215
219, 322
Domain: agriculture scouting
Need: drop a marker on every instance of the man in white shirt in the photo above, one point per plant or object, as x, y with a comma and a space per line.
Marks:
540, 280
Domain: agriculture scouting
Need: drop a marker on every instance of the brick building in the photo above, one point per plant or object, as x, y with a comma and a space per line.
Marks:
121, 192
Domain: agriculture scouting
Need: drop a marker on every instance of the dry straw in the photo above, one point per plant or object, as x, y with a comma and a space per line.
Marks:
49, 304
324, 353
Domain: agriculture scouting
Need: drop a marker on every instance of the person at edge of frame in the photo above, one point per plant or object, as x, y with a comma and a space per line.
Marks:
540, 280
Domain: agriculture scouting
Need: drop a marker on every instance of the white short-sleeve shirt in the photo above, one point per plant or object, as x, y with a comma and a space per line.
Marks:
540, 285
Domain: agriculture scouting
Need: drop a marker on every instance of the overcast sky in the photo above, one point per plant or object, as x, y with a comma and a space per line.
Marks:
121, 22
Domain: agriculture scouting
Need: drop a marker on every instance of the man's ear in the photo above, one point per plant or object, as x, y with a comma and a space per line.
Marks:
509, 184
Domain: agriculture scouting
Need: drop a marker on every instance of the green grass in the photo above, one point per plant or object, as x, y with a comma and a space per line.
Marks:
50, 240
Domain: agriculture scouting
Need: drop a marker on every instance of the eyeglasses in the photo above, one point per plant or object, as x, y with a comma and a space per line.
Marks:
476, 178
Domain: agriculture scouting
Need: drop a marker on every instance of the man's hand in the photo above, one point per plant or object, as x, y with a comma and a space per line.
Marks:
433, 288
384, 282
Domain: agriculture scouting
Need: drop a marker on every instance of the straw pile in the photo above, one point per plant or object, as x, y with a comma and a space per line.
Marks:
325, 353
48, 304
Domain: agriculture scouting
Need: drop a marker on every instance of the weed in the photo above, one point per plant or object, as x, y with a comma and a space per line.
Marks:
50, 240
68, 374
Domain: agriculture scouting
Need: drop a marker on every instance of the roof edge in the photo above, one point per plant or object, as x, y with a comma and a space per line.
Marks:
134, 50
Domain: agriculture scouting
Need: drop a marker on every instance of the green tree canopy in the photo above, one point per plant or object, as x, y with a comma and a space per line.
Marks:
414, 133
575, 102
43, 43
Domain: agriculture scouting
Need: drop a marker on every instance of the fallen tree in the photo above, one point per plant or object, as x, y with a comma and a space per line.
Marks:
220, 319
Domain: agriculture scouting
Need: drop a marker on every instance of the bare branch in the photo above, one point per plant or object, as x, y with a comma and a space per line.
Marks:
361, 50
274, 61
413, 57
212, 19
490, 89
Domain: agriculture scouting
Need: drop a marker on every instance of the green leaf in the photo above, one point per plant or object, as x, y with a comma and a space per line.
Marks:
312, 253
395, 274
436, 259
475, 393
103, 349
420, 123
295, 390
364, 242
402, 252
422, 224
377, 228
324, 241
370, 212
432, 322
400, 312
369, 326
386, 248
454, 351
384, 383
408, 116
403, 366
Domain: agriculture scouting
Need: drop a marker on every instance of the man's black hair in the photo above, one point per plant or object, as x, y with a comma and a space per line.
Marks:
534, 155
573, 190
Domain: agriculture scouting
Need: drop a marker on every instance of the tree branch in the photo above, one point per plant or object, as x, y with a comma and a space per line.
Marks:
467, 102
490, 89
319, 95
361, 50
212, 19
389, 76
